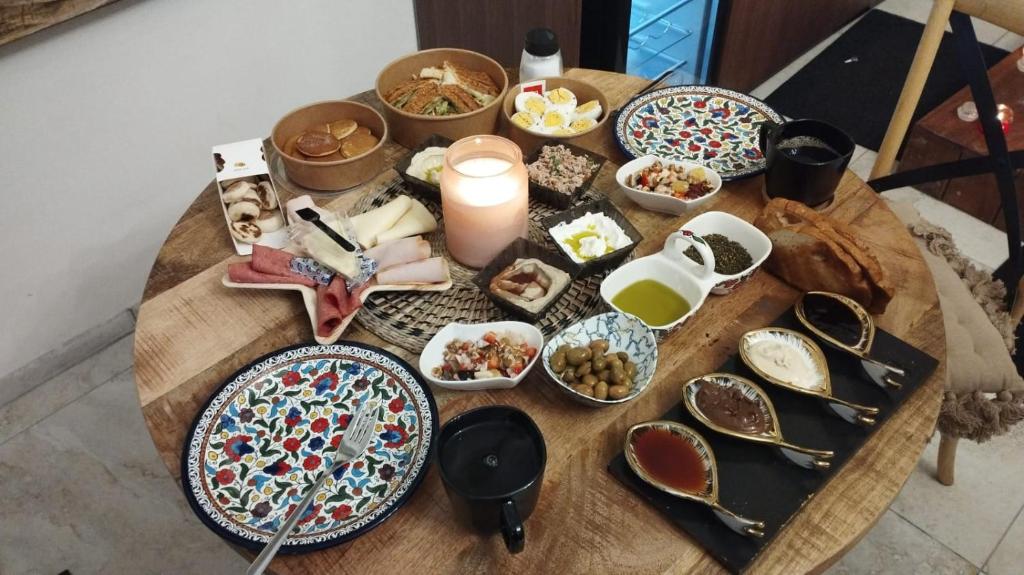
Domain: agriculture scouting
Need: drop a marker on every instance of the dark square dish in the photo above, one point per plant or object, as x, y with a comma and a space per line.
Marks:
607, 261
553, 197
427, 188
522, 248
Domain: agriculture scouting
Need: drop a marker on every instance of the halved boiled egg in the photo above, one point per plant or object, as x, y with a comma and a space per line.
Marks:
553, 120
563, 132
561, 99
531, 102
590, 110
526, 120
582, 124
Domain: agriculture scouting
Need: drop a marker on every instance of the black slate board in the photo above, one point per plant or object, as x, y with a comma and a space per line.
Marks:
755, 480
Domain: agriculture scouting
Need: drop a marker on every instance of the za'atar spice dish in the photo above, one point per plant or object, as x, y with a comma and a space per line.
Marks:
730, 256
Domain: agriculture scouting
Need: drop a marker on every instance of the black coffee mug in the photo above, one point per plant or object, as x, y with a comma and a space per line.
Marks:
805, 159
492, 464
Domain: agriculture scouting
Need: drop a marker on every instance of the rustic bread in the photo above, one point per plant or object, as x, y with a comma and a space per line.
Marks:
814, 252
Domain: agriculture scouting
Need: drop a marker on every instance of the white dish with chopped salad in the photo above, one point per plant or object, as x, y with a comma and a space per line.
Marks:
470, 357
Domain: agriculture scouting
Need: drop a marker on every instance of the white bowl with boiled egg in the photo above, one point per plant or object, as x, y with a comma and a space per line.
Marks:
569, 110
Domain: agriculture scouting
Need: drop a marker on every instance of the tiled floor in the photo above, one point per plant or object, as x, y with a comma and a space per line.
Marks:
82, 497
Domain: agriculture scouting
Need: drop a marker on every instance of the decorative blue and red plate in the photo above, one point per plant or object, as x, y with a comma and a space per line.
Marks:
273, 427
712, 126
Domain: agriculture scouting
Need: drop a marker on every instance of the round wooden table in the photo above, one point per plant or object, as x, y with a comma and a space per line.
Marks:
192, 333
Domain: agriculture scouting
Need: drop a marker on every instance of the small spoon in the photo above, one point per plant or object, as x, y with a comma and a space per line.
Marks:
772, 435
851, 412
876, 370
709, 494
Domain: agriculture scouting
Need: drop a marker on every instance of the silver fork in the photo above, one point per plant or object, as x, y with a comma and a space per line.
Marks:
353, 443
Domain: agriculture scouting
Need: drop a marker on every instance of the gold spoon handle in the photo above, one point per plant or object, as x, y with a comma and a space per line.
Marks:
738, 523
823, 454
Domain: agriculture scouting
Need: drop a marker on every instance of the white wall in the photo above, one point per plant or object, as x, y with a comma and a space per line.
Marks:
106, 124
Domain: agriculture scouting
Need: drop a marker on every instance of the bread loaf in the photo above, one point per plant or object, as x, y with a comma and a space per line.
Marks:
812, 251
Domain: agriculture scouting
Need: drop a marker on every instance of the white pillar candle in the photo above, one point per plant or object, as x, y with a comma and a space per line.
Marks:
484, 197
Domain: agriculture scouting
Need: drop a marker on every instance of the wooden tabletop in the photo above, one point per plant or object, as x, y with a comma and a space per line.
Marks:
192, 333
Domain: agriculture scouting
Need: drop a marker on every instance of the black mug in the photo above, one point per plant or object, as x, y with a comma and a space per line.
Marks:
805, 160
492, 464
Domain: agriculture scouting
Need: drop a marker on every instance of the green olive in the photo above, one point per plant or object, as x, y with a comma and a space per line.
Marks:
569, 375
584, 389
618, 377
577, 355
604, 374
599, 362
589, 379
614, 363
599, 345
564, 348
583, 369
558, 362
617, 391
628, 382
601, 390
630, 368
623, 356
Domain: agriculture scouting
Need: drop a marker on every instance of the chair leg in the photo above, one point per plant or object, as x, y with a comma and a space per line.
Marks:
947, 458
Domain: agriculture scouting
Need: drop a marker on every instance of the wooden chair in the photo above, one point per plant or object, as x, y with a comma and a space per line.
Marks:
975, 406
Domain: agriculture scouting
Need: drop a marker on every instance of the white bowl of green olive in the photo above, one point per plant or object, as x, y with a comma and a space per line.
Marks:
602, 360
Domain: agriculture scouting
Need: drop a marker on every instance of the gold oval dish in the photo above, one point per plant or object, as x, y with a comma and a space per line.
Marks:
772, 434
708, 495
851, 412
876, 370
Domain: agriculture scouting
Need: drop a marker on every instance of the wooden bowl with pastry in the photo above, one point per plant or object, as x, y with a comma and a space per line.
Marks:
446, 91
331, 145
568, 111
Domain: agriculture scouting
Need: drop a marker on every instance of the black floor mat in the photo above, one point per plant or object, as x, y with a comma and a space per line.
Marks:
855, 83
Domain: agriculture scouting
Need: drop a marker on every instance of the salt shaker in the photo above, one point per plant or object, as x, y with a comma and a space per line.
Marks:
541, 56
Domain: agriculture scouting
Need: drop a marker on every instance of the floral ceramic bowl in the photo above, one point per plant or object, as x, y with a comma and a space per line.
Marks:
663, 202
433, 354
624, 333
738, 230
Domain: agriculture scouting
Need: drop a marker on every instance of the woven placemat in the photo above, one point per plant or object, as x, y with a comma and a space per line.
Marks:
410, 319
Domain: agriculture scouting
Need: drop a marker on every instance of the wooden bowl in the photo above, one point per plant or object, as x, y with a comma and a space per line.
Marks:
585, 92
411, 129
334, 174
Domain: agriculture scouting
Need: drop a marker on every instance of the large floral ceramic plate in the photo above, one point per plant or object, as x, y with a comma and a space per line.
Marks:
712, 126
273, 427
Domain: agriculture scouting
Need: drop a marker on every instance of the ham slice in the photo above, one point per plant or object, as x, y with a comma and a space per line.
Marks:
243, 273
400, 251
428, 271
270, 261
333, 304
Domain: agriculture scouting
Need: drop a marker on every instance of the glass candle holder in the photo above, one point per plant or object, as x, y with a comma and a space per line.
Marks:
484, 198
1004, 114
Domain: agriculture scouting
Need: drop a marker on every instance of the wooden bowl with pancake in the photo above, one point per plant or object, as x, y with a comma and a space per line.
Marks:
468, 85
334, 170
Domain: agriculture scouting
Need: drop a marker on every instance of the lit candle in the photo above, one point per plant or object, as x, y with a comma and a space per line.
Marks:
484, 198
1020, 63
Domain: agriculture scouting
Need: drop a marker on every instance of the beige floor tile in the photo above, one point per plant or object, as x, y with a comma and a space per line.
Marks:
862, 164
971, 516
918, 10
84, 490
1008, 558
41, 401
1010, 42
896, 546
64, 356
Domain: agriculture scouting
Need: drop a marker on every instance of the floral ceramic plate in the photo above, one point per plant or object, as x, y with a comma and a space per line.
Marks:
273, 427
711, 126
